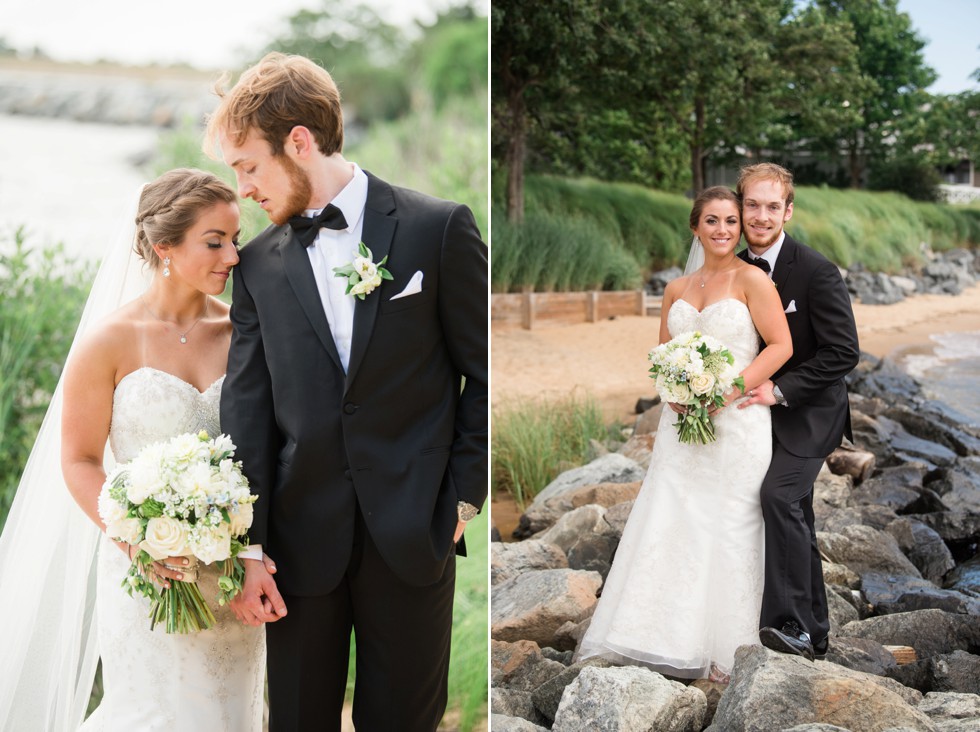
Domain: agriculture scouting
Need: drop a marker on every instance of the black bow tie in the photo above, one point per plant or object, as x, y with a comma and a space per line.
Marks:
761, 264
307, 228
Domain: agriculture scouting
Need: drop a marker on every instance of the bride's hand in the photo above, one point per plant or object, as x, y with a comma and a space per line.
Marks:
729, 397
679, 408
158, 572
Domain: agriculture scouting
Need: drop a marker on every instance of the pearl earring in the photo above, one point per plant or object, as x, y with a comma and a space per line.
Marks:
166, 267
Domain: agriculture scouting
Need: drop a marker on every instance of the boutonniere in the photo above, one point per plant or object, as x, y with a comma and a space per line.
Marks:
363, 275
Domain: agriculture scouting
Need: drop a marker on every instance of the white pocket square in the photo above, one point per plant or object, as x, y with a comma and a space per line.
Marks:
414, 286
791, 308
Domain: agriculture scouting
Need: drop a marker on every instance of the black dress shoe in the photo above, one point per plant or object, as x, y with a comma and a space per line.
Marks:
820, 649
791, 639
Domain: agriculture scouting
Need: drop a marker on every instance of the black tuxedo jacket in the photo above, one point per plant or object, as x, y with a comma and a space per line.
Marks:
825, 350
399, 434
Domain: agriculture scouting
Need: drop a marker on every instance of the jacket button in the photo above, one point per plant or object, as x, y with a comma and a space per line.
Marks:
350, 408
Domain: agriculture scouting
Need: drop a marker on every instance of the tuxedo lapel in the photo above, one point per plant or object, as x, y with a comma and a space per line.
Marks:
299, 272
377, 235
784, 265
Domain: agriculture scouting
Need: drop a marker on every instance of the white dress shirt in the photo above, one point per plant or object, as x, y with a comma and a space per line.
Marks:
335, 248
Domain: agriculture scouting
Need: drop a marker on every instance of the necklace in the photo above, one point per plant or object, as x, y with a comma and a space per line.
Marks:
183, 336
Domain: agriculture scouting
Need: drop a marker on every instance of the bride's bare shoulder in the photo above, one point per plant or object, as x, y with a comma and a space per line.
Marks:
110, 341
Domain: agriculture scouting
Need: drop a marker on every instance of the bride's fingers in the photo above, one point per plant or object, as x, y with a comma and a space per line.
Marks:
164, 572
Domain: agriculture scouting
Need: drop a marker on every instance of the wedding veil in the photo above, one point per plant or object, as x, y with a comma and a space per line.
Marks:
48, 549
695, 259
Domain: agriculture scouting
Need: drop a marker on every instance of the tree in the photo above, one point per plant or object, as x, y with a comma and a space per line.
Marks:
890, 56
538, 51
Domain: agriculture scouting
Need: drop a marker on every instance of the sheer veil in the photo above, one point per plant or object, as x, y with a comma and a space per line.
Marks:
696, 257
48, 549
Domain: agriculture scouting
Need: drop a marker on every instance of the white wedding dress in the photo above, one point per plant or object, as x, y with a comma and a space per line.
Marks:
685, 587
211, 681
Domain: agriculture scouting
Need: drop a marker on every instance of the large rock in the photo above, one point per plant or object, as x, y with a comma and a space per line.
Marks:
841, 612
948, 706
958, 671
897, 488
864, 549
629, 699
534, 605
960, 486
639, 448
520, 666
547, 697
891, 594
649, 422
513, 559
923, 546
771, 691
966, 577
839, 574
503, 723
860, 654
929, 632
585, 538
611, 468
514, 703
952, 525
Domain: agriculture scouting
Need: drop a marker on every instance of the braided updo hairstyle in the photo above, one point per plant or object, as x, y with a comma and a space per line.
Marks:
171, 204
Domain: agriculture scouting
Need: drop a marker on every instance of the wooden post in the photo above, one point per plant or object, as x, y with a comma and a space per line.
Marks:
641, 302
527, 314
592, 307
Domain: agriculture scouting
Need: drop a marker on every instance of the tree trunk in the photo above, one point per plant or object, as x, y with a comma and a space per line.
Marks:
854, 163
516, 152
697, 148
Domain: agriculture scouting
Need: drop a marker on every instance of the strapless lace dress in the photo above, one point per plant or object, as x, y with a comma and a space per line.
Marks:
685, 587
210, 681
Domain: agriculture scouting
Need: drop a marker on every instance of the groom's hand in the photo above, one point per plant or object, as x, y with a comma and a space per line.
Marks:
762, 394
259, 601
460, 527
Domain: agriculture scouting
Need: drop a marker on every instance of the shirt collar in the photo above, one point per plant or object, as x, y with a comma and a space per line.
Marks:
351, 200
772, 253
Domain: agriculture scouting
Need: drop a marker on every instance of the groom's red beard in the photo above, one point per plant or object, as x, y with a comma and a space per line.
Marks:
759, 242
300, 192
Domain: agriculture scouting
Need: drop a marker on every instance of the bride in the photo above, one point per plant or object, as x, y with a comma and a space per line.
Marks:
685, 588
144, 372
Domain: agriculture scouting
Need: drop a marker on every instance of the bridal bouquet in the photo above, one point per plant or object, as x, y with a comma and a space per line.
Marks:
696, 370
181, 498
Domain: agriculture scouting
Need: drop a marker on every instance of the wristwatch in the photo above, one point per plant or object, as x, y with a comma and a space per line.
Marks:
466, 511
778, 394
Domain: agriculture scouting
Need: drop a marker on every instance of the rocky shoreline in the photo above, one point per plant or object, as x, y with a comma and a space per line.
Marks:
942, 273
898, 519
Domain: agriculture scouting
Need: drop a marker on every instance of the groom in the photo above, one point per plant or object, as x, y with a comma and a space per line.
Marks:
350, 413
810, 411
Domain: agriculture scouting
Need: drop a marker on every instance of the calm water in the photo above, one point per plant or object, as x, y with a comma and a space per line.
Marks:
951, 371
69, 182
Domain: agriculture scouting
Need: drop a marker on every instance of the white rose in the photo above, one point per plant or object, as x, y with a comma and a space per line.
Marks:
165, 537
702, 383
241, 519
679, 393
110, 510
365, 267
124, 529
211, 545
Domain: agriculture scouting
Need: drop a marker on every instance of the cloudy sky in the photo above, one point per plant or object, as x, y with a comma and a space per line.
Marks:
211, 34
206, 33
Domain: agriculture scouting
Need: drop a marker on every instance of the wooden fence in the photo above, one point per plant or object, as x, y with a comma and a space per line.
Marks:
531, 309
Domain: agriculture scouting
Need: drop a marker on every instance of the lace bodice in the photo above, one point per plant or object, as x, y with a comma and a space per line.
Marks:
150, 405
728, 320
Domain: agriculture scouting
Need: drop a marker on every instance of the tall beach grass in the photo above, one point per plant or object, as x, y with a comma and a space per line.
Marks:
612, 235
534, 441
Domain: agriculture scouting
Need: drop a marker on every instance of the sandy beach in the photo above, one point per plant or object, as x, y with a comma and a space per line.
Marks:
606, 360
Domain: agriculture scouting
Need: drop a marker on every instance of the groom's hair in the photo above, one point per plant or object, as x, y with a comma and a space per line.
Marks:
765, 171
277, 94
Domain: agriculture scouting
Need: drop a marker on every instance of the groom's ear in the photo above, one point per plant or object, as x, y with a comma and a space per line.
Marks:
300, 143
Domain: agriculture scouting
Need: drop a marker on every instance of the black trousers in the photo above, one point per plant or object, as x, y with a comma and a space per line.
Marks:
402, 637
794, 587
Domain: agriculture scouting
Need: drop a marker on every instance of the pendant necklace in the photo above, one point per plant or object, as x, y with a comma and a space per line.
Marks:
183, 336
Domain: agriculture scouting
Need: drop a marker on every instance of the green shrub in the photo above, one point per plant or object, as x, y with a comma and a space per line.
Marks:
533, 442
42, 294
